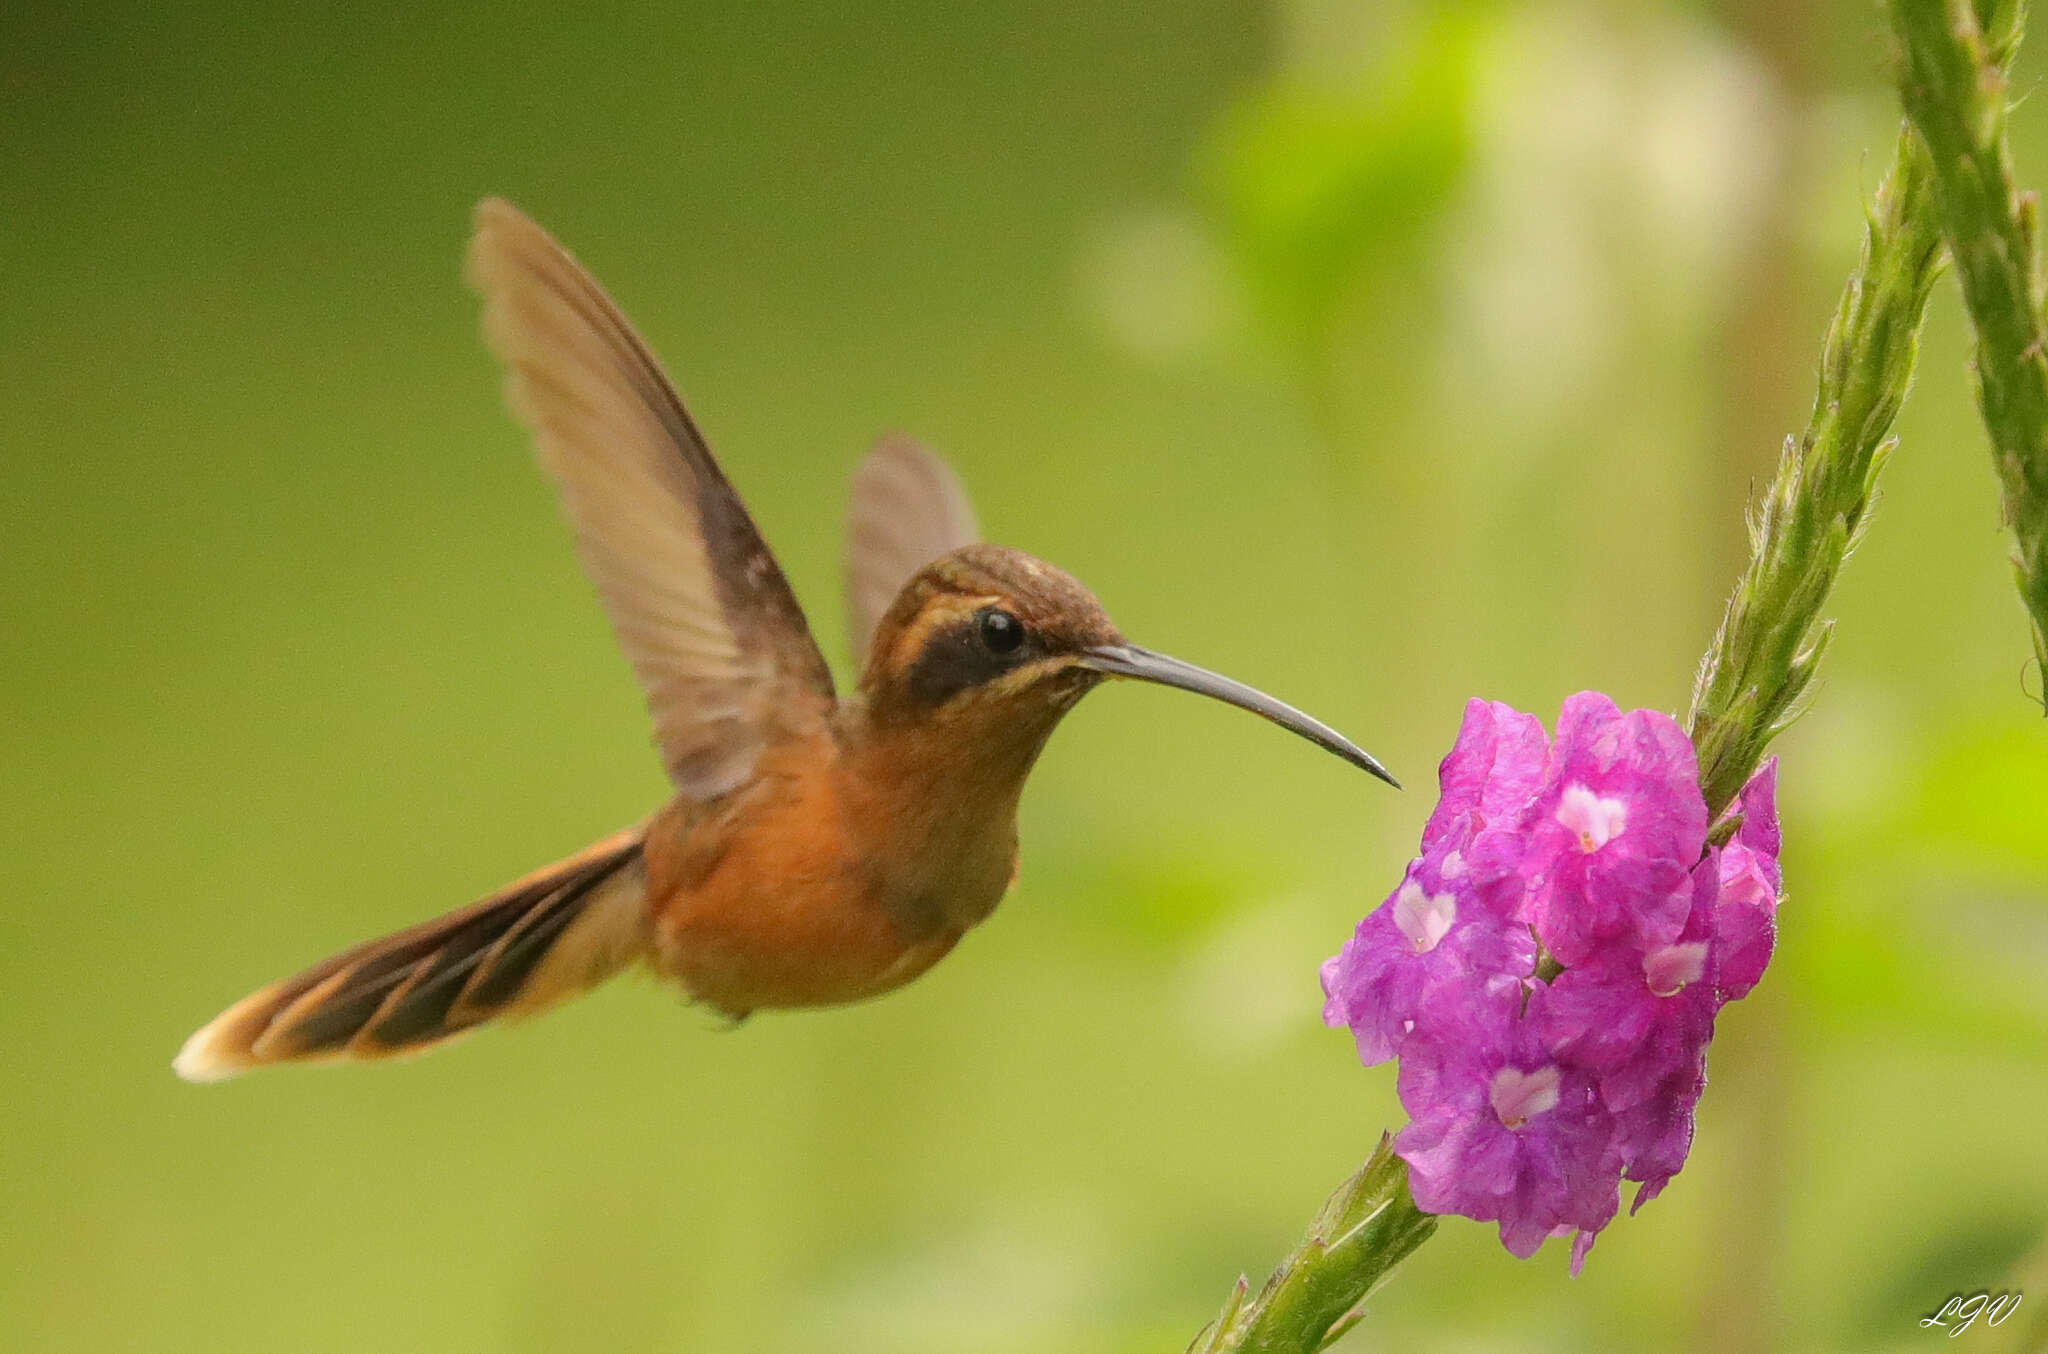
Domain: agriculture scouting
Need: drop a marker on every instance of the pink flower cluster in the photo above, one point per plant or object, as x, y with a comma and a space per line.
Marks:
1550, 968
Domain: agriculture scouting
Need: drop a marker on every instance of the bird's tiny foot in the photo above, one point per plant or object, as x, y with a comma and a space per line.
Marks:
728, 1021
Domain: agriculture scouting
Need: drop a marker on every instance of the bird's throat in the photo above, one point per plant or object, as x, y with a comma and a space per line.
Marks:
940, 813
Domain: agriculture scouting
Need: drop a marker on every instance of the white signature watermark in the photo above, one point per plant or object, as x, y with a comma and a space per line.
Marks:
1961, 1311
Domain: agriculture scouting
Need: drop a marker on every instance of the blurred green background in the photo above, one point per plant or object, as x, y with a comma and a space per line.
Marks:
1377, 354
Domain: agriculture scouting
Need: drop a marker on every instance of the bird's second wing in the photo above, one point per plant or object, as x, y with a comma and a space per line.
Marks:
697, 601
907, 510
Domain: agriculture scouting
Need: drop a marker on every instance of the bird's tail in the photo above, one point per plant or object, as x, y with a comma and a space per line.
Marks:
551, 935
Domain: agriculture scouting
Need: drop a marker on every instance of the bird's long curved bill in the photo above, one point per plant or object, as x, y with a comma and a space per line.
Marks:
1128, 660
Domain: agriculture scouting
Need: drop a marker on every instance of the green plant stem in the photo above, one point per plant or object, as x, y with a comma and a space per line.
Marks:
1772, 634
1953, 60
1366, 1228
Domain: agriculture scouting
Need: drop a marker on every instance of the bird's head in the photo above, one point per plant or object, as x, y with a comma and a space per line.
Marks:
992, 639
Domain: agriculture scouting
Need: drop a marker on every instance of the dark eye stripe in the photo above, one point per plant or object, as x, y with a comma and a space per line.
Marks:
957, 656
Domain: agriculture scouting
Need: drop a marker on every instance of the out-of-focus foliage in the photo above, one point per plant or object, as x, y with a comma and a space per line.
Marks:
1325, 184
1381, 355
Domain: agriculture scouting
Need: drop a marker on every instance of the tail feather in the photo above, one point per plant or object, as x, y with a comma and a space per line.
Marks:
546, 937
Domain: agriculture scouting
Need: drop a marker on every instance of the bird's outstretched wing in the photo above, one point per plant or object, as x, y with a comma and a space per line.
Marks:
696, 599
907, 510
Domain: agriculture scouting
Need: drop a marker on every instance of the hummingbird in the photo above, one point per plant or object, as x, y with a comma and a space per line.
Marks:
818, 850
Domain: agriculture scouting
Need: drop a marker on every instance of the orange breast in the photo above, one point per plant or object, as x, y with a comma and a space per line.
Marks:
772, 900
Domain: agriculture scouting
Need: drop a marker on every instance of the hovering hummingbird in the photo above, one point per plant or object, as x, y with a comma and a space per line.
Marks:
817, 850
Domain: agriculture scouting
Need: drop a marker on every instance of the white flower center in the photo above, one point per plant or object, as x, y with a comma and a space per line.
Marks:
1669, 970
1520, 1096
1424, 918
1593, 819
1452, 865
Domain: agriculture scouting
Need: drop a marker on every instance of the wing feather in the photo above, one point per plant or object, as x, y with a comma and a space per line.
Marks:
907, 509
699, 605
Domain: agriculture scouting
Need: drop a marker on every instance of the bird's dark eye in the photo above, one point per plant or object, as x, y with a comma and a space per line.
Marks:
1000, 631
